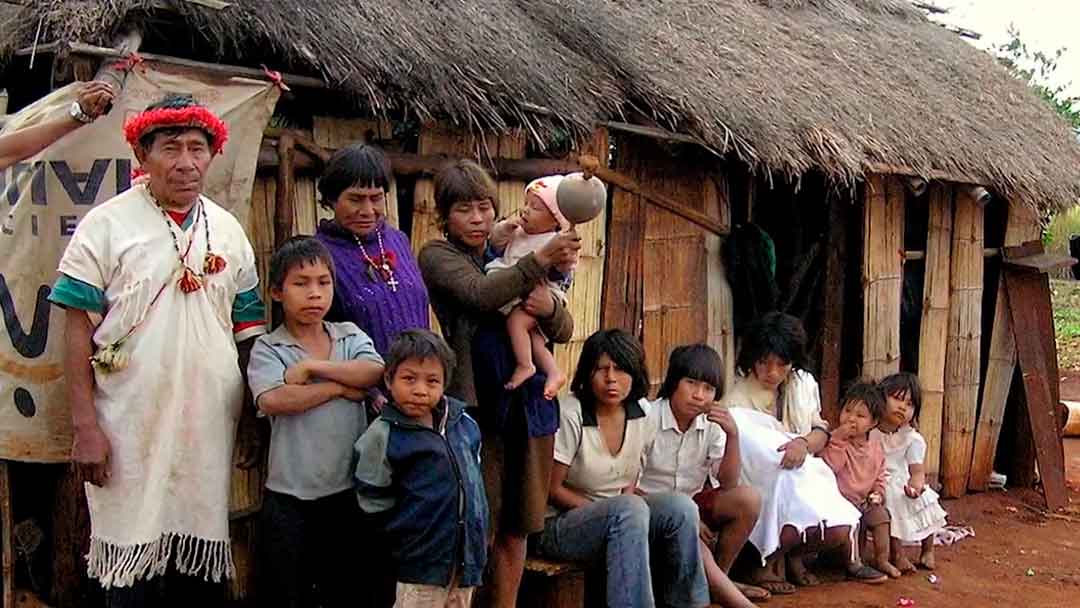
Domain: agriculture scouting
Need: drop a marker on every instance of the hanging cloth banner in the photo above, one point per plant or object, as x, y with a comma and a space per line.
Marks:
43, 198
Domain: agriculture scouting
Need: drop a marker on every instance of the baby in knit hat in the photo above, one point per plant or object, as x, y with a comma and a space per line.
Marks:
517, 236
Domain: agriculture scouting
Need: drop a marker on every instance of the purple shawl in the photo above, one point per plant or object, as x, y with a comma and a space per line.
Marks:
370, 303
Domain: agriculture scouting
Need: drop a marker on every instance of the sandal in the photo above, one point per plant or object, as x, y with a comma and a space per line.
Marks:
754, 593
777, 587
866, 574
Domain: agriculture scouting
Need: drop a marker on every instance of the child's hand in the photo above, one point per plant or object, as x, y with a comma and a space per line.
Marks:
378, 402
298, 373
914, 489
876, 499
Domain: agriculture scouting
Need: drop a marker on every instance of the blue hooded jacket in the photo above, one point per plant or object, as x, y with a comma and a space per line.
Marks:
429, 485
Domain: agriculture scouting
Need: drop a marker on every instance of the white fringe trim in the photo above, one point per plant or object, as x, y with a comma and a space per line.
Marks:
121, 565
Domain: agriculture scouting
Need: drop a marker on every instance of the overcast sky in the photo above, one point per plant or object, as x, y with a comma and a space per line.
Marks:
1045, 25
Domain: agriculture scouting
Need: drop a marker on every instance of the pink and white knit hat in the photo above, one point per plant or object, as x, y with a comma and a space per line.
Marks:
547, 189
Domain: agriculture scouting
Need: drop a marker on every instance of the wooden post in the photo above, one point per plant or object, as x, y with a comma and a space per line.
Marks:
935, 322
883, 268
623, 281
721, 302
1022, 226
7, 546
833, 307
283, 207
963, 343
1025, 271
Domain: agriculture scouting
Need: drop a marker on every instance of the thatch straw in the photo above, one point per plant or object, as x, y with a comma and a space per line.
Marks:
786, 85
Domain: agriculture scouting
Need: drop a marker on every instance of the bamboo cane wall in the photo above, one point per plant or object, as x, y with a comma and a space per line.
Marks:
961, 411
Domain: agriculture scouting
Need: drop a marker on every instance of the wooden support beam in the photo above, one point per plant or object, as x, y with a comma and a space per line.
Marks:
1021, 226
1033, 330
833, 307
945, 176
934, 324
427, 163
963, 344
421, 165
988, 252
81, 48
620, 180
125, 45
883, 267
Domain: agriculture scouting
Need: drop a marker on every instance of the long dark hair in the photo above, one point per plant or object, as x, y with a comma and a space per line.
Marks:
625, 352
773, 333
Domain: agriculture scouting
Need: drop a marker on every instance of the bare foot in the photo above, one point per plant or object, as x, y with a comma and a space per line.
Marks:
927, 560
754, 593
903, 564
521, 374
798, 574
554, 384
887, 568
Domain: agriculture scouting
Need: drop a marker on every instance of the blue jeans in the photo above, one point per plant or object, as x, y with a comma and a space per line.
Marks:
642, 540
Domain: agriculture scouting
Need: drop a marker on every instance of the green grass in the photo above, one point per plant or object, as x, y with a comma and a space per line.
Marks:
1062, 226
1065, 297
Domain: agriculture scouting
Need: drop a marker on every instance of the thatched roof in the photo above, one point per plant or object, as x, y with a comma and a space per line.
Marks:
786, 85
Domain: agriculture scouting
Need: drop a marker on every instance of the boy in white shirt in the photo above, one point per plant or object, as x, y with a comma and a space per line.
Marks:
696, 452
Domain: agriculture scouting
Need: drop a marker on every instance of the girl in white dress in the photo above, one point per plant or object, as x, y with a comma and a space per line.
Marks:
913, 506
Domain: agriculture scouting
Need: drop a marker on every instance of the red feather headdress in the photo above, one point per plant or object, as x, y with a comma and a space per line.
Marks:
163, 118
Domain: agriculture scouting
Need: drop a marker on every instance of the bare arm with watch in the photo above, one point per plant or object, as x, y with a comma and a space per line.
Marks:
94, 99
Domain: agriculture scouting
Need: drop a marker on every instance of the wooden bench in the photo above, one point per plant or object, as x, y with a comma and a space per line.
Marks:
550, 584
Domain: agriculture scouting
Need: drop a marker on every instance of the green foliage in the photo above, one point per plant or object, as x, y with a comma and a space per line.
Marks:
1062, 226
1037, 68
1065, 298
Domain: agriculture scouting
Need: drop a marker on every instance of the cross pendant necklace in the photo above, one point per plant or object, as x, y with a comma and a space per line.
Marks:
384, 267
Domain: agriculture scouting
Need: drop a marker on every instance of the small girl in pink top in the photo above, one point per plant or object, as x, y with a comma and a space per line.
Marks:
859, 464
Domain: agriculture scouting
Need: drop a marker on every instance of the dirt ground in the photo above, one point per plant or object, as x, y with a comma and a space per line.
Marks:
1018, 556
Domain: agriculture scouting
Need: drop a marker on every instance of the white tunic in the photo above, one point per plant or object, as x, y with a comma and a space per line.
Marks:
913, 519
803, 498
170, 415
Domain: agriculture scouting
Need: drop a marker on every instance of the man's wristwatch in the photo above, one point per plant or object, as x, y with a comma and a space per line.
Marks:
77, 113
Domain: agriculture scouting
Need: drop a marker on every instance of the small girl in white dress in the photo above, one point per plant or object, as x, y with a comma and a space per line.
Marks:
916, 514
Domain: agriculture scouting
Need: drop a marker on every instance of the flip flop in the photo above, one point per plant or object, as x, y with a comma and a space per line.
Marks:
754, 593
777, 587
868, 575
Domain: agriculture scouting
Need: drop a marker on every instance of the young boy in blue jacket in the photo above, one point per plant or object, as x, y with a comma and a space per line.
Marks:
419, 466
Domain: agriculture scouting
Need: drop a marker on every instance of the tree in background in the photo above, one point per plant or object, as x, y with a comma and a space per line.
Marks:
1037, 68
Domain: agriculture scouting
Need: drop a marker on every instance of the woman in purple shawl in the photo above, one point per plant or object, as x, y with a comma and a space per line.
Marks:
377, 284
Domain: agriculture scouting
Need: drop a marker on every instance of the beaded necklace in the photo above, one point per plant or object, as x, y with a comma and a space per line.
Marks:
383, 266
191, 280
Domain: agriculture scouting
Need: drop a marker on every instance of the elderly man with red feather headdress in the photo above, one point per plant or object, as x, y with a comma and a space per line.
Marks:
159, 286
